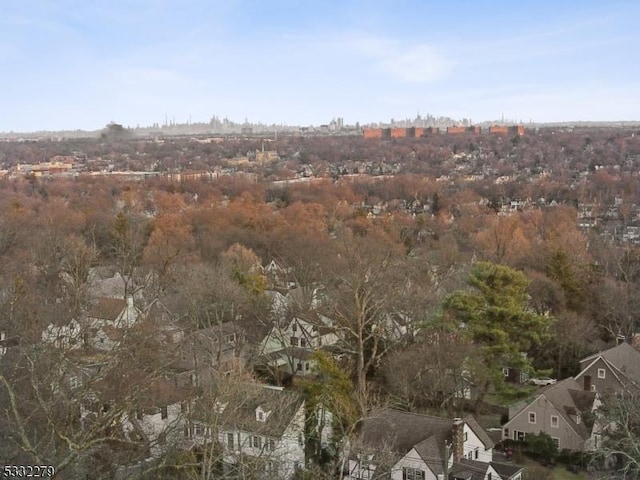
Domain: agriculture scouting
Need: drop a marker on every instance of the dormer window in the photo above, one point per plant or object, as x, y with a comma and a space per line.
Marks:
261, 414
220, 406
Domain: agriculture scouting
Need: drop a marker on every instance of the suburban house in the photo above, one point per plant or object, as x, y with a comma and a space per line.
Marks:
259, 430
611, 371
565, 411
406, 445
158, 419
67, 336
218, 346
106, 320
288, 346
278, 276
102, 327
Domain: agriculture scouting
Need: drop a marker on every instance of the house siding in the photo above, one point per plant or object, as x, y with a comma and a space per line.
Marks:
544, 410
604, 386
412, 460
473, 444
288, 452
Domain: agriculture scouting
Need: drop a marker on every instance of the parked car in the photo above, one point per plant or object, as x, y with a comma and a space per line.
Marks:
542, 381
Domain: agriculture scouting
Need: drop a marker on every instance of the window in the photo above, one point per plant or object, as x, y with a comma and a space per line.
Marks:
554, 421
260, 416
256, 442
556, 440
164, 413
489, 476
306, 366
602, 373
466, 436
294, 341
230, 440
303, 342
476, 452
578, 419
505, 372
271, 444
409, 473
299, 367
532, 417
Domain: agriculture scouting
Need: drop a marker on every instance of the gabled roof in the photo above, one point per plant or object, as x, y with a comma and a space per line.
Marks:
623, 357
241, 402
506, 471
432, 451
568, 399
480, 432
401, 431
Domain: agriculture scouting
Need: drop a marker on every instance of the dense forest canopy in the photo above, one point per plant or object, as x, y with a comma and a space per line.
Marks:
491, 245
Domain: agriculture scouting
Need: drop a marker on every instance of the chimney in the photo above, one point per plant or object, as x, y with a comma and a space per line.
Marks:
457, 439
587, 383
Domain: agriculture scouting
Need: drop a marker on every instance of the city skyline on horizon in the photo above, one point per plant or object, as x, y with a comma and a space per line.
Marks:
77, 66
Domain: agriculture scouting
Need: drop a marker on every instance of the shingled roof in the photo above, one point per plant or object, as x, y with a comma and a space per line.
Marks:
623, 358
570, 399
238, 406
401, 431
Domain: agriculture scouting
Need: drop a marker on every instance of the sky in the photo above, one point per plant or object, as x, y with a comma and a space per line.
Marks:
78, 64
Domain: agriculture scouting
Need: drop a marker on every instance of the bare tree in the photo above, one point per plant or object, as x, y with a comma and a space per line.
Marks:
620, 449
362, 292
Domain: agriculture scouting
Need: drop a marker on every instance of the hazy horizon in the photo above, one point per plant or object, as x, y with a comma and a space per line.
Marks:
77, 65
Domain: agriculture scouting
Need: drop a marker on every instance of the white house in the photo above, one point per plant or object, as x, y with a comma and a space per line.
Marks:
159, 418
64, 336
421, 447
107, 319
288, 347
261, 430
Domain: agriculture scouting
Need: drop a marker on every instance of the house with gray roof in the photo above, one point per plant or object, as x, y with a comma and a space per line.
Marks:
403, 445
565, 411
260, 429
611, 371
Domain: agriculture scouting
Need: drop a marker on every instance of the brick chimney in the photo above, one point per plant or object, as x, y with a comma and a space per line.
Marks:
457, 438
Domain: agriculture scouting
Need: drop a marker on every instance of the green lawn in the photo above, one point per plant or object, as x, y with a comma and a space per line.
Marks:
535, 471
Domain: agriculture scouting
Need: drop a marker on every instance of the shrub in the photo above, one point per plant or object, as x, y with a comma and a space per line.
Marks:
541, 446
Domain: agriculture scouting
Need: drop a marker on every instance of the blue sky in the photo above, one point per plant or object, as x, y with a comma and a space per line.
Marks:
78, 64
